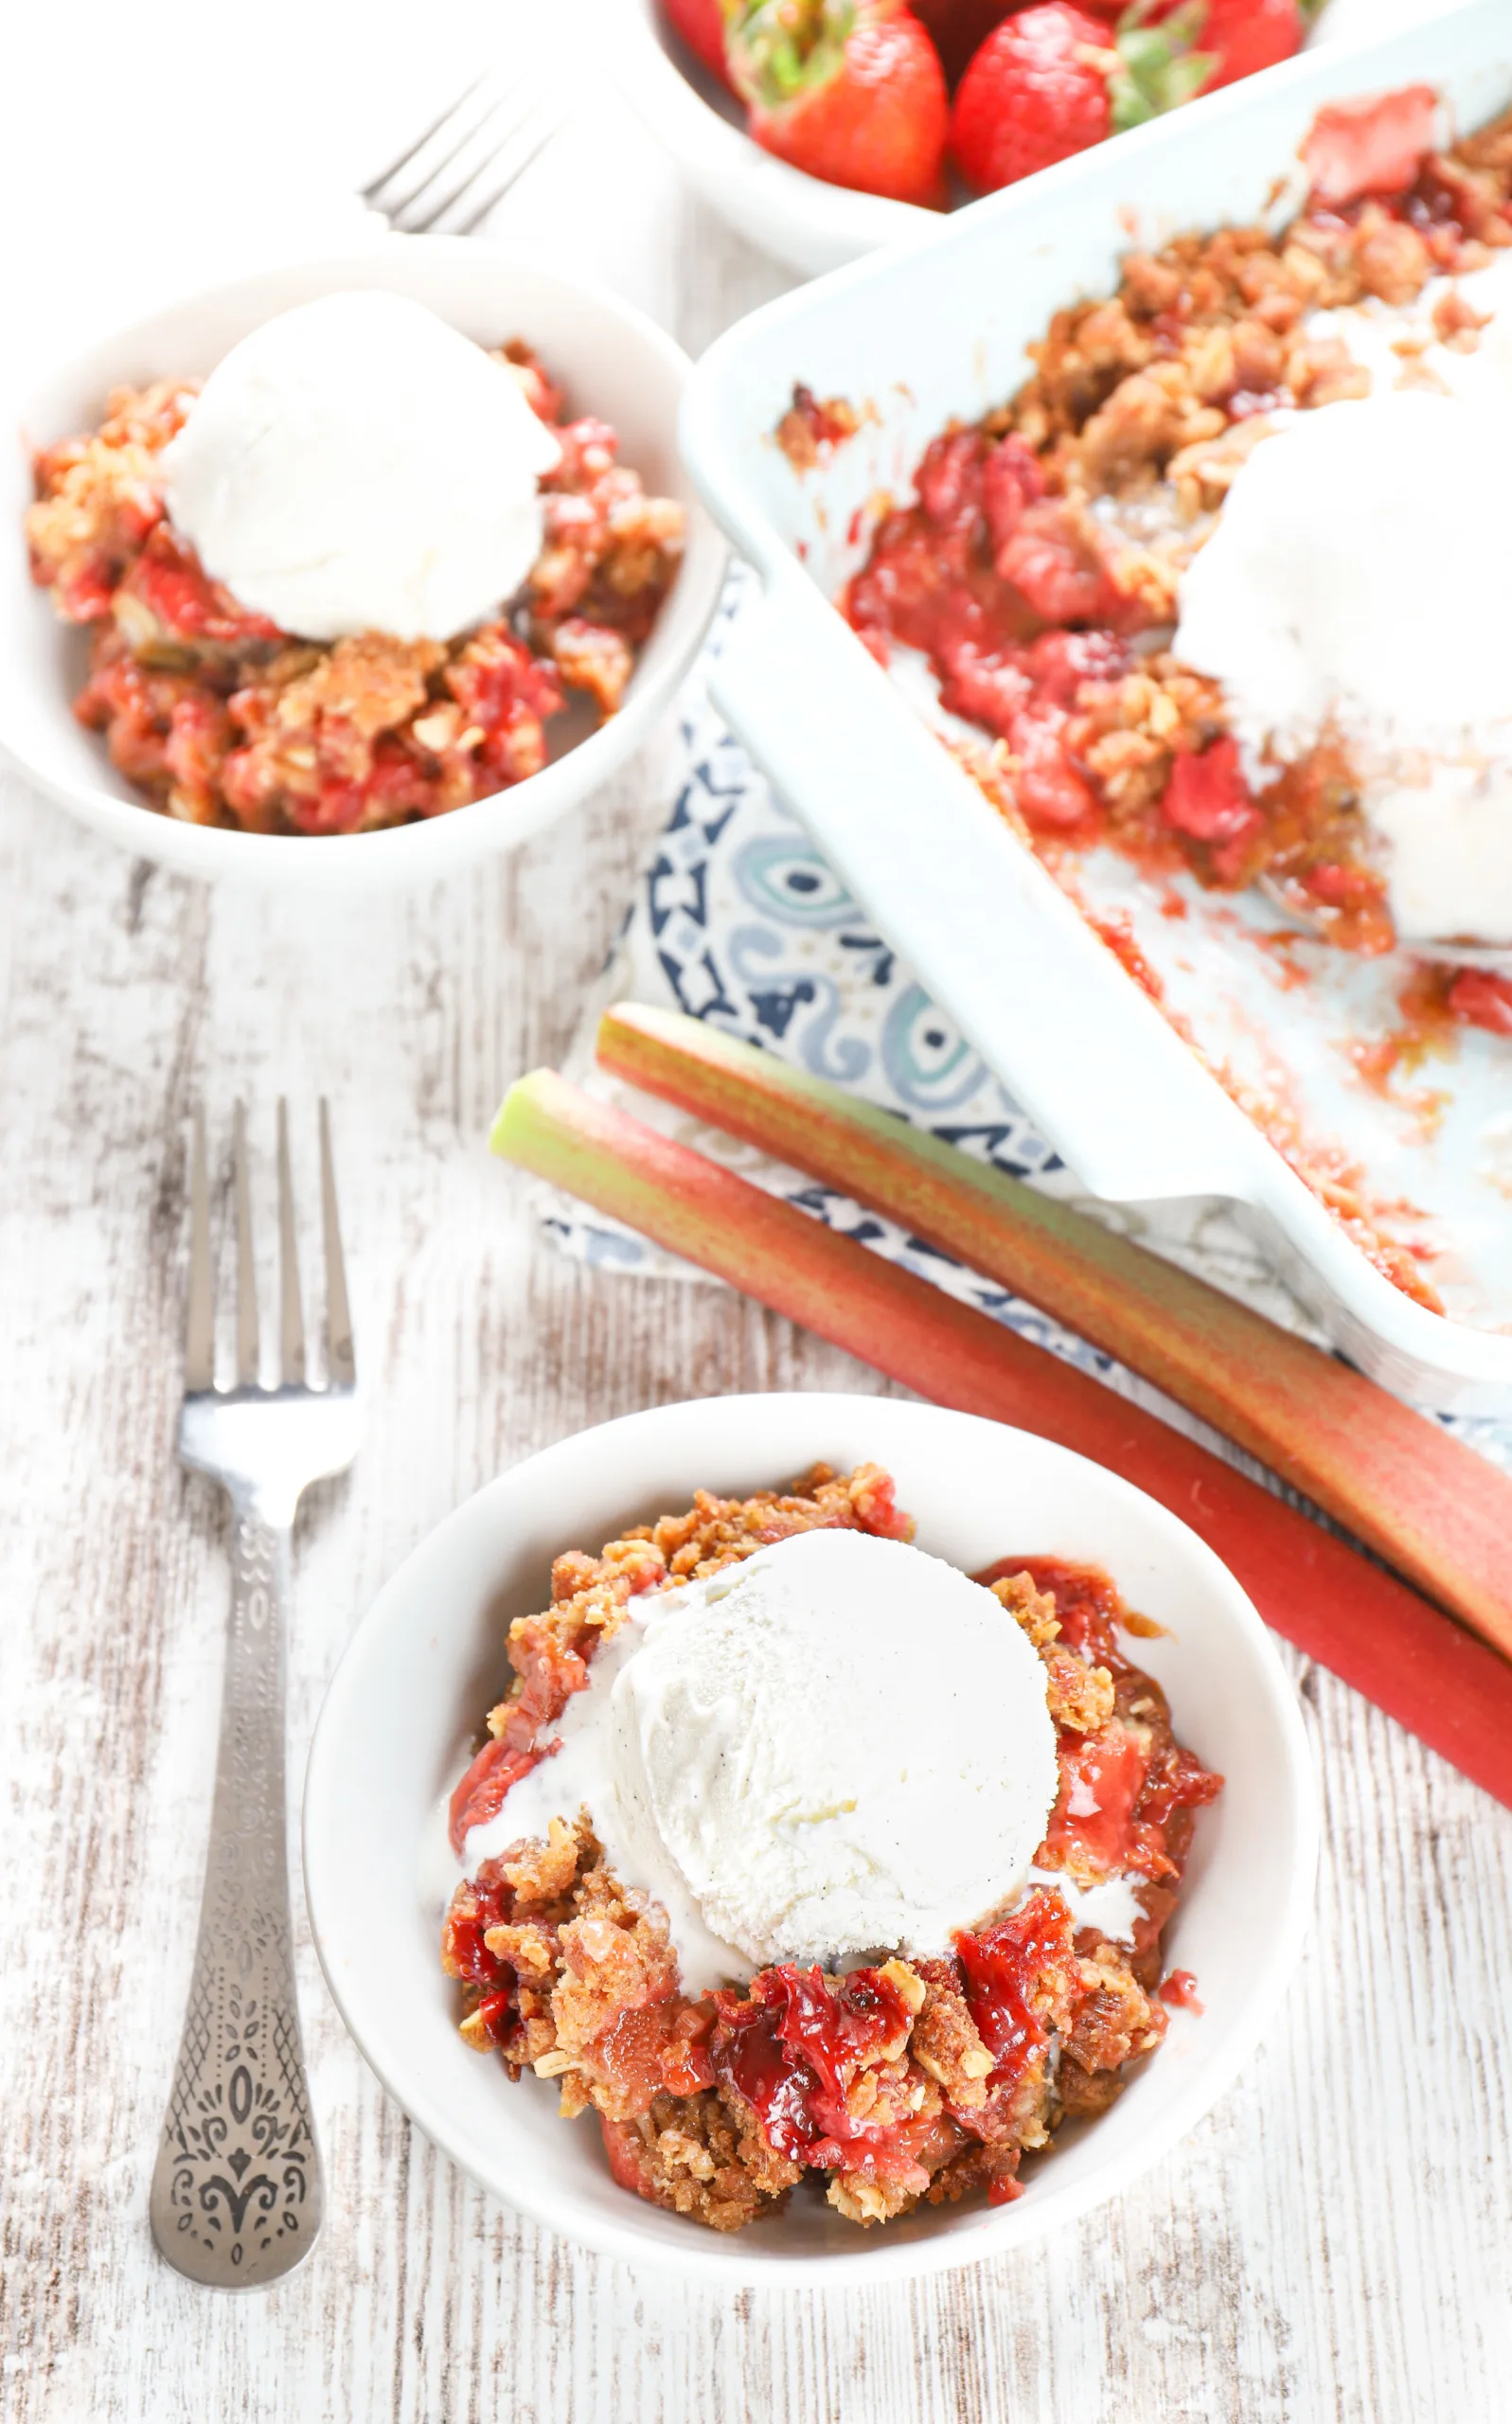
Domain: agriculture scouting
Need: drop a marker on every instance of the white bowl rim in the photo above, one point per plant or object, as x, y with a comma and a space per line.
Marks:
709, 2254
504, 820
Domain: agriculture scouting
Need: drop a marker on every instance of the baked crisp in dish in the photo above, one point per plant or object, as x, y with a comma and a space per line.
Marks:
1040, 568
220, 716
891, 2074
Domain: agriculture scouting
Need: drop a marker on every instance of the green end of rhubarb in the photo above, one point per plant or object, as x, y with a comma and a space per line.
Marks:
514, 1117
545, 1126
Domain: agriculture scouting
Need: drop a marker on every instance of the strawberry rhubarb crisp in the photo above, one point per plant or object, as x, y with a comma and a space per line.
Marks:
350, 580
778, 1915
1222, 585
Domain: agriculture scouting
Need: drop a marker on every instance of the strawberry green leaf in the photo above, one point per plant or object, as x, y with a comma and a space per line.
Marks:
779, 50
1160, 68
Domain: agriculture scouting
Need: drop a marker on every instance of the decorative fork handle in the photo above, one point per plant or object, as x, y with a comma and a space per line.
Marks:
238, 2195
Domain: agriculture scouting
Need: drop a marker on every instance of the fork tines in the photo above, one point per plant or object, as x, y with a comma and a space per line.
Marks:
467, 161
199, 1348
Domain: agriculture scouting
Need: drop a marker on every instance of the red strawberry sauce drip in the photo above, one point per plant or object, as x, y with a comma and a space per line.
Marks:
480, 1794
998, 1967
490, 1901
1092, 1823
992, 581
1477, 998
1208, 797
1180, 1989
1115, 1801
171, 583
793, 2048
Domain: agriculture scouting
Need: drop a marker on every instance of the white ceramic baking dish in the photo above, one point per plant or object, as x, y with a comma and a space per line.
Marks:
939, 330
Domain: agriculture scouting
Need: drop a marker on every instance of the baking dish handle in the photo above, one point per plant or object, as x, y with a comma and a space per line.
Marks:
997, 944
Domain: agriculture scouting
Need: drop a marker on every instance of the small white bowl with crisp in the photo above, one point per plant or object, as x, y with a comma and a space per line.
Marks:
402, 1714
615, 363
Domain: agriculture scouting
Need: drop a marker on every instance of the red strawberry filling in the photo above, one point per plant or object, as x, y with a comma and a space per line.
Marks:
983, 576
794, 2047
1373, 146
1477, 998
1207, 796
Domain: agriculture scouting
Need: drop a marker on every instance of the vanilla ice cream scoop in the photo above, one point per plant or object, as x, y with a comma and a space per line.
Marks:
1356, 583
840, 1746
358, 465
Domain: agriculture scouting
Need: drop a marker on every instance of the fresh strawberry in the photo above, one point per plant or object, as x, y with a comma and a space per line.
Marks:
700, 25
1053, 80
1374, 146
850, 90
1247, 35
1240, 36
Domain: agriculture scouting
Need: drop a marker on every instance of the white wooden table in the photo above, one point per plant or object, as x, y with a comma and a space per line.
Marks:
1332, 2243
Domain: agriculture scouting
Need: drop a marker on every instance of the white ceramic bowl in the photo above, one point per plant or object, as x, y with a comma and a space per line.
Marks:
401, 1713
614, 362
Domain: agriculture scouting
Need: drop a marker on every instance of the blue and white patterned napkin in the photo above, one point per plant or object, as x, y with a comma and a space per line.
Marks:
736, 918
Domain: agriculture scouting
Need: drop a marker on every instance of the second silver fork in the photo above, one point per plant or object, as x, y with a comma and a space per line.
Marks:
238, 2195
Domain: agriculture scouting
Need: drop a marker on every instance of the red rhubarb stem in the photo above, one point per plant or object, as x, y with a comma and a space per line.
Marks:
1420, 1498
1361, 1622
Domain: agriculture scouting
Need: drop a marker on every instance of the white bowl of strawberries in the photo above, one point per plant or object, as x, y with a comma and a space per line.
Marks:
823, 129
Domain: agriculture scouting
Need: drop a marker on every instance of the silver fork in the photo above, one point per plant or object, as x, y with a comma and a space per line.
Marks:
238, 2195
455, 172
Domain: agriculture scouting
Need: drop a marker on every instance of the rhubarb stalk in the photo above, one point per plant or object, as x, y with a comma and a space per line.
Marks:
1369, 1628
1429, 1506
